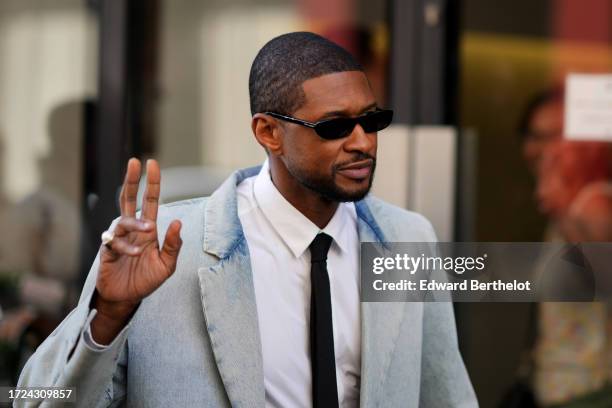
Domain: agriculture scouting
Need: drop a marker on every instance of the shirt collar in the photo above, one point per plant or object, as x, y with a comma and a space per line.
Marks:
293, 227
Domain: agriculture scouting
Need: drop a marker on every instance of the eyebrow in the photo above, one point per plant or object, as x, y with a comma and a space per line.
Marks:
344, 113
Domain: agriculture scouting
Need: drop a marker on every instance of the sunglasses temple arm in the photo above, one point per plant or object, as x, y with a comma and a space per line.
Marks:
299, 122
292, 120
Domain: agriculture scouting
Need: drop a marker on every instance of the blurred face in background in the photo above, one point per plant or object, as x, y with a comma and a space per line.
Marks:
545, 127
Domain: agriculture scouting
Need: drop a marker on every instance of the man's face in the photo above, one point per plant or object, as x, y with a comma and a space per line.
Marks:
341, 169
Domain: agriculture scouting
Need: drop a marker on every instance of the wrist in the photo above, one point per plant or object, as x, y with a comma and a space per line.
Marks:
110, 319
113, 311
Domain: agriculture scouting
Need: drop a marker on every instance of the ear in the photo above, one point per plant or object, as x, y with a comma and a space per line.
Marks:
268, 133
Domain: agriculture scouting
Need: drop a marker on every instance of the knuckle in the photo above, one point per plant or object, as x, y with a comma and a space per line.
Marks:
121, 225
127, 220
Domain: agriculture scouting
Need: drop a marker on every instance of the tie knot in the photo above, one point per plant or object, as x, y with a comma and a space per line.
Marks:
319, 247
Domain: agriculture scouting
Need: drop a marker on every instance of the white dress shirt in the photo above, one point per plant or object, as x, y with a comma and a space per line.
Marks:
278, 237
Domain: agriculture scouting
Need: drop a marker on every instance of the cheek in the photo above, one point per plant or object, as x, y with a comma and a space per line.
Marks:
309, 153
296, 150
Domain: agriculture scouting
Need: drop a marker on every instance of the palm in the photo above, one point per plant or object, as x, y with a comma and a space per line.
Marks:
133, 278
135, 266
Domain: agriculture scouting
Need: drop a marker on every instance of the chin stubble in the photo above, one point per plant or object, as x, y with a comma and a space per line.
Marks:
328, 188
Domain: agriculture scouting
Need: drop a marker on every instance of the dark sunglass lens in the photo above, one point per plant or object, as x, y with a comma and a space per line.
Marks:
335, 128
376, 121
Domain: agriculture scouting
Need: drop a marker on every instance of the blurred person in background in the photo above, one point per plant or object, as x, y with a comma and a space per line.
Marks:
40, 252
572, 349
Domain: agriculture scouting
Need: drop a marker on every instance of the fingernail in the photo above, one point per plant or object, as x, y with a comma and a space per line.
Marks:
135, 250
147, 225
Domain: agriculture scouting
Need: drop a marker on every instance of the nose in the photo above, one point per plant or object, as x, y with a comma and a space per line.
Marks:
361, 141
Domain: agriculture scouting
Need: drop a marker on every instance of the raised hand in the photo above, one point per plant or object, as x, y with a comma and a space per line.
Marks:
132, 266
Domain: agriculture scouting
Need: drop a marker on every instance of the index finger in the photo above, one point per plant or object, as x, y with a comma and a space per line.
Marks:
150, 199
129, 191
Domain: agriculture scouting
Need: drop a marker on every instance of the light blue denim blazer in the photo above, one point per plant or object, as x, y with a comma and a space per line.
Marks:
195, 341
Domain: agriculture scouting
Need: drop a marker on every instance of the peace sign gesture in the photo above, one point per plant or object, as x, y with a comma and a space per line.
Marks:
132, 265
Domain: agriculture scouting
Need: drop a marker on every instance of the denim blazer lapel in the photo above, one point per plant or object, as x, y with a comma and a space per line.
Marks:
228, 297
380, 322
230, 310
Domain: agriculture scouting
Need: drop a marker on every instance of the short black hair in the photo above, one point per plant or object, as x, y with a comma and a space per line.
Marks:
537, 101
285, 62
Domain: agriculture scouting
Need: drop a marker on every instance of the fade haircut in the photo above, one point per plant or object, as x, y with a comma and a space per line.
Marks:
285, 62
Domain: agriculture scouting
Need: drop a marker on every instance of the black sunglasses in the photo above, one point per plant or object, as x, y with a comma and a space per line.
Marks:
338, 128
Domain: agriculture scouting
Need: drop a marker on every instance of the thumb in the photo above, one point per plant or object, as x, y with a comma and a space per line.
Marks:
172, 245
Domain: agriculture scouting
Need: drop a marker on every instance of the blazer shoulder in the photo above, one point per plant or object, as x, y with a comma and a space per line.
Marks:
179, 209
190, 212
401, 224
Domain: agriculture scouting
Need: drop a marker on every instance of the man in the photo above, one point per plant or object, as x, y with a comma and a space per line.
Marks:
263, 306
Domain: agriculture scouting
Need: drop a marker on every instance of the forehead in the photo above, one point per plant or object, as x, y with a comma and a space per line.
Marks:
338, 92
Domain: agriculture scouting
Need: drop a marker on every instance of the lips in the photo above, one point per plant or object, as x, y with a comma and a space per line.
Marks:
358, 170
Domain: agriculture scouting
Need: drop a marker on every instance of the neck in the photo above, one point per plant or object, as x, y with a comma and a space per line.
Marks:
315, 207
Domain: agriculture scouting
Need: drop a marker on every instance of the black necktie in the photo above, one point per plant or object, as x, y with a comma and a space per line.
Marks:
324, 387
